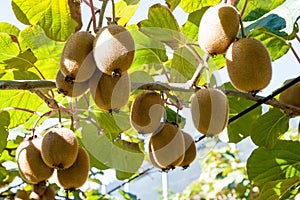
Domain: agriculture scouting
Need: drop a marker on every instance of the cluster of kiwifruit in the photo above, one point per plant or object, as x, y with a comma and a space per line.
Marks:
39, 191
247, 59
98, 63
168, 145
57, 151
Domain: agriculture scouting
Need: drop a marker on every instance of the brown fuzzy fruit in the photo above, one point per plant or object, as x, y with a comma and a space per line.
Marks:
22, 195
166, 146
59, 148
218, 28
77, 57
190, 150
110, 92
209, 108
70, 88
75, 176
113, 49
146, 112
49, 193
249, 65
75, 9
291, 95
30, 163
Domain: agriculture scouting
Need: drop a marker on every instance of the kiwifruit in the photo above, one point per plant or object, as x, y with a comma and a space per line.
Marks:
291, 95
209, 108
249, 65
113, 49
218, 28
59, 148
75, 176
39, 188
30, 163
190, 150
75, 9
49, 193
21, 195
110, 92
69, 88
146, 112
77, 55
166, 146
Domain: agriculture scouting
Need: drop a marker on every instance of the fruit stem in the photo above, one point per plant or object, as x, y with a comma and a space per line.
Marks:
101, 15
91, 20
273, 94
37, 121
242, 27
294, 51
93, 16
113, 12
244, 8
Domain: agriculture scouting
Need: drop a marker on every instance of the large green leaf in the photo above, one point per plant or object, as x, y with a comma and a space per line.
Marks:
161, 25
112, 154
257, 8
23, 61
53, 16
268, 127
193, 5
276, 45
277, 189
9, 29
148, 51
240, 128
124, 11
45, 50
281, 162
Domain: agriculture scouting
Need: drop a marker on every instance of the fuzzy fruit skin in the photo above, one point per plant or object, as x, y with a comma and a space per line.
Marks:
30, 163
291, 95
249, 65
190, 150
209, 108
70, 88
75, 176
114, 49
59, 148
49, 193
166, 146
218, 28
75, 9
21, 195
110, 92
146, 112
76, 61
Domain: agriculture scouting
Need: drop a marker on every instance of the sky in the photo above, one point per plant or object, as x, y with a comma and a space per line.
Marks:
284, 68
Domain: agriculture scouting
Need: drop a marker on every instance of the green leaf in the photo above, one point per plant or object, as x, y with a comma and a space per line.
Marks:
8, 48
172, 4
127, 195
23, 61
281, 162
268, 127
45, 50
191, 27
4, 123
161, 25
193, 5
277, 189
174, 117
125, 11
9, 29
148, 51
53, 16
256, 8
240, 128
276, 45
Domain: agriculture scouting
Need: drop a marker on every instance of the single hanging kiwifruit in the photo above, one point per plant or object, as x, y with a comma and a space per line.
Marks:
190, 150
59, 148
218, 28
114, 49
76, 61
166, 146
146, 111
291, 95
209, 108
30, 163
249, 65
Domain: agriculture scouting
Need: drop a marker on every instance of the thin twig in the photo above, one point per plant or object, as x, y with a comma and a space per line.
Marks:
294, 51
91, 20
242, 28
113, 12
244, 8
93, 16
102, 12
